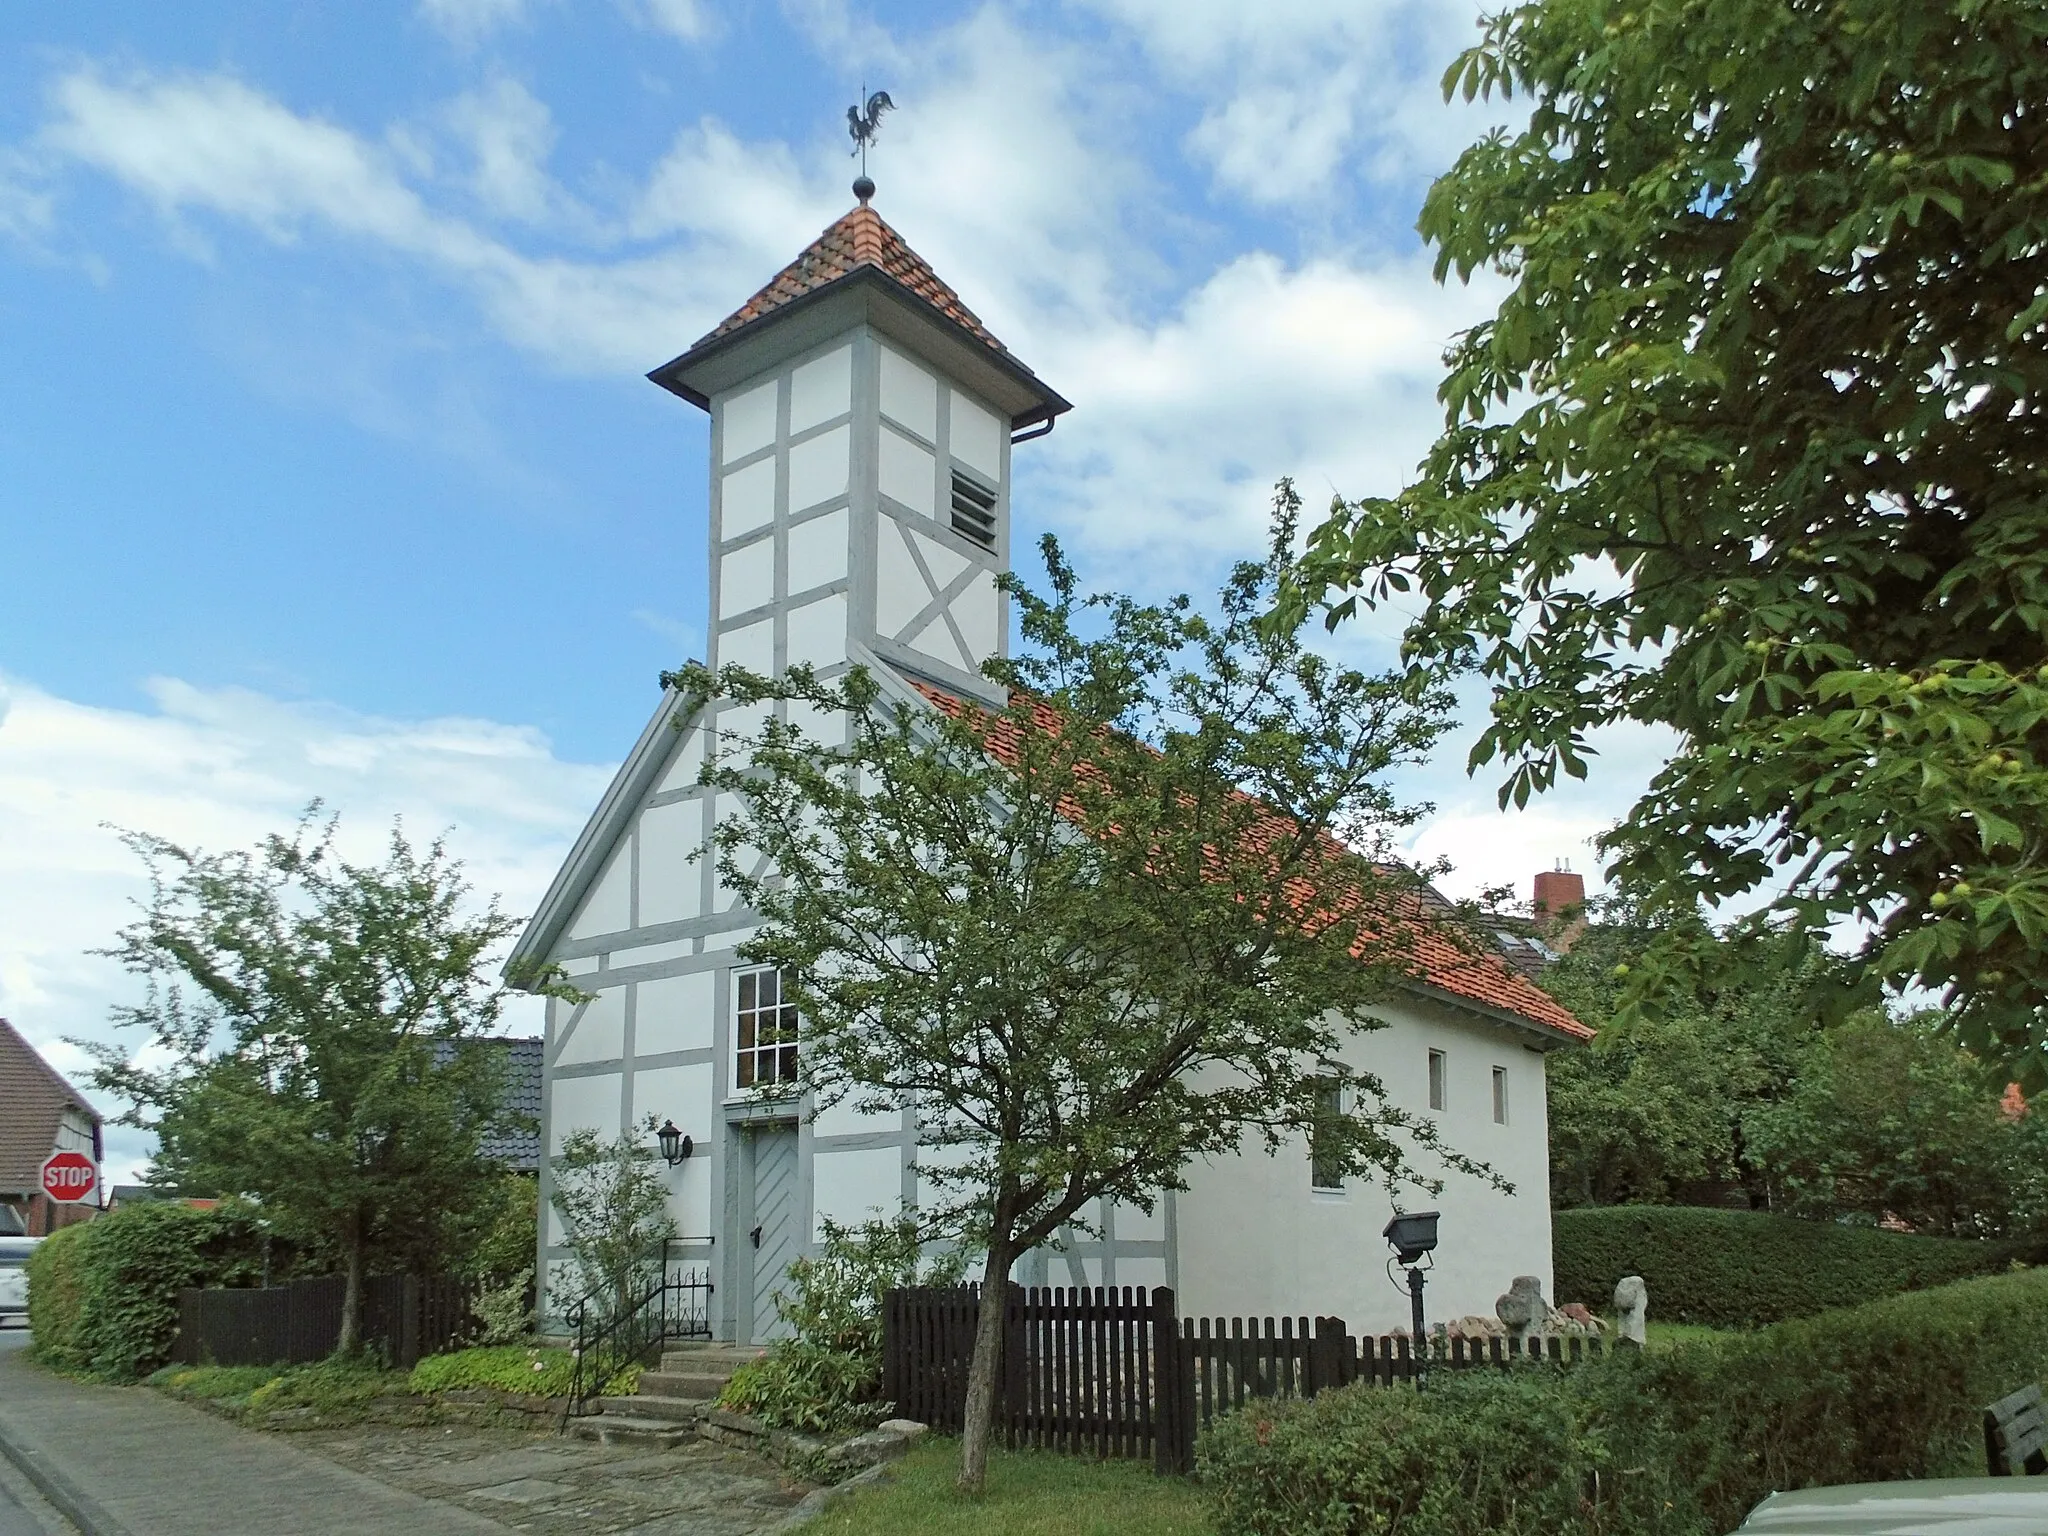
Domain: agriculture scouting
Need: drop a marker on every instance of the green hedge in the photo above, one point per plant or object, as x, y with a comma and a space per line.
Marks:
1675, 1443
103, 1295
1742, 1269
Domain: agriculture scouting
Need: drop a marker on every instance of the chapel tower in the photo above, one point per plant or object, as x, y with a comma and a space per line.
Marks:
861, 425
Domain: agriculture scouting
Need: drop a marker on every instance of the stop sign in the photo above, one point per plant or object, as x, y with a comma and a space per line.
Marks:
69, 1177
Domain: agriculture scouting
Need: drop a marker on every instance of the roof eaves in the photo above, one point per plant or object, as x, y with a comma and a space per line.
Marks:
669, 374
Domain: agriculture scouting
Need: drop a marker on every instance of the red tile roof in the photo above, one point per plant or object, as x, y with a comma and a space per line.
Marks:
1481, 976
33, 1097
861, 239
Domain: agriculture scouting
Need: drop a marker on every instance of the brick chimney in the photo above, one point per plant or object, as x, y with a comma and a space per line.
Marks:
1560, 907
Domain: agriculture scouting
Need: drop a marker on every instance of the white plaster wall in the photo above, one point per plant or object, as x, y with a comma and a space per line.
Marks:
747, 500
976, 436
681, 1094
975, 611
752, 647
900, 589
842, 1119
908, 473
942, 562
1254, 1239
685, 763
746, 577
817, 631
671, 884
599, 1031
582, 1103
818, 469
689, 1196
608, 906
909, 395
854, 1187
817, 551
748, 421
654, 954
673, 1013
821, 389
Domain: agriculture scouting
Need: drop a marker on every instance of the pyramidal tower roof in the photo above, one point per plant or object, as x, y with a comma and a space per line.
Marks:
861, 258
862, 238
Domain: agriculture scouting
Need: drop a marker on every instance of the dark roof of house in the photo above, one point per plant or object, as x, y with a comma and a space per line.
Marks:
517, 1148
1488, 978
33, 1098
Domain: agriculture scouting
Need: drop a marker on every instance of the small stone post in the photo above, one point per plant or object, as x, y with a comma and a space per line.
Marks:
1632, 1307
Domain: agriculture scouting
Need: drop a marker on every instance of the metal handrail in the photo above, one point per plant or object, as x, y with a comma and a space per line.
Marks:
603, 1351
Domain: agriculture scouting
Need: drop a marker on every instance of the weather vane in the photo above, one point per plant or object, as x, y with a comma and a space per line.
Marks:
861, 125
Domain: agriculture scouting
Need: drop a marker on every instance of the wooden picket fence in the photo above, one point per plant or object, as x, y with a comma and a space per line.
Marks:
1117, 1373
405, 1317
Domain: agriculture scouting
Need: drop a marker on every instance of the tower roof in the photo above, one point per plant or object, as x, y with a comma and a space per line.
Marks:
860, 254
862, 238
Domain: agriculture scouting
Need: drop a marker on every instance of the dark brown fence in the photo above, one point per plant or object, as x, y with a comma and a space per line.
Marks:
1118, 1373
404, 1318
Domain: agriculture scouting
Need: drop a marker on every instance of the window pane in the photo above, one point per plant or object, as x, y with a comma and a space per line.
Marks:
1325, 1170
747, 980
1436, 1080
1500, 1096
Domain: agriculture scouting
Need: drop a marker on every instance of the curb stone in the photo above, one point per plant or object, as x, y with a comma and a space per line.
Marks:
818, 1500
72, 1502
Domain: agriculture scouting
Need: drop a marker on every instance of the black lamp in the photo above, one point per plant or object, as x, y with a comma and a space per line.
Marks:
1411, 1236
1413, 1239
675, 1146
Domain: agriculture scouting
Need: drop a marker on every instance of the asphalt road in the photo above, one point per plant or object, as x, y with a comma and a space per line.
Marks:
22, 1510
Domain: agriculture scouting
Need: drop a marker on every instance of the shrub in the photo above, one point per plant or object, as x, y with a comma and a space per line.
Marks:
829, 1376
509, 1368
1678, 1443
109, 1288
1743, 1269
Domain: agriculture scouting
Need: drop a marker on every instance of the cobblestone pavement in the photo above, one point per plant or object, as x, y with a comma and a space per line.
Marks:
558, 1487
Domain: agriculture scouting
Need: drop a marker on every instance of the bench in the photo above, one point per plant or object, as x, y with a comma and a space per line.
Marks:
2016, 1434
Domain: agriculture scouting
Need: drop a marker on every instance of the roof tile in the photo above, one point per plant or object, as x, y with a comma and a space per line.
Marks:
861, 239
1479, 976
33, 1097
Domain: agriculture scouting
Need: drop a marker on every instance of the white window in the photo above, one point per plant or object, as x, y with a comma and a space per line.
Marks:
1500, 1095
766, 1028
1324, 1170
1437, 1092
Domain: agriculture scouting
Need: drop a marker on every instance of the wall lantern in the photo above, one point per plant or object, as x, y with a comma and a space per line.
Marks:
1413, 1239
675, 1146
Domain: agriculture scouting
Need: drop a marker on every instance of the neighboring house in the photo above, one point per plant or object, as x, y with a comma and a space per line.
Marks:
862, 421
1556, 921
518, 1149
40, 1113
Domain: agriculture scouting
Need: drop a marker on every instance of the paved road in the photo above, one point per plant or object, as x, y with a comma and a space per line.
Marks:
23, 1511
147, 1466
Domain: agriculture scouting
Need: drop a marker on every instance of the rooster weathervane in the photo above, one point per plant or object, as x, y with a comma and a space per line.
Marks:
861, 126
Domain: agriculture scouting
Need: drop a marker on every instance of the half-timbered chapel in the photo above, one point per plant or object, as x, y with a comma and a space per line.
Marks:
862, 426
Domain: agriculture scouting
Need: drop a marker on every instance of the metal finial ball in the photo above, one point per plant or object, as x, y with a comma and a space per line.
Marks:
863, 188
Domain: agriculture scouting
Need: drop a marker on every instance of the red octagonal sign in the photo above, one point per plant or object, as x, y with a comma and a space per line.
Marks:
70, 1177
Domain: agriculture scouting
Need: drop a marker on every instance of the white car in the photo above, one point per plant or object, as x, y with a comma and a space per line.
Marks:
1950, 1506
14, 1252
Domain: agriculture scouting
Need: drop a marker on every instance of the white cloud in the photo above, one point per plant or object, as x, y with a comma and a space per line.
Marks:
469, 22
509, 134
219, 768
688, 20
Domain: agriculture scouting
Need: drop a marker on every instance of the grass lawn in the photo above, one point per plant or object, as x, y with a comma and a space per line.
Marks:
1030, 1493
1669, 1335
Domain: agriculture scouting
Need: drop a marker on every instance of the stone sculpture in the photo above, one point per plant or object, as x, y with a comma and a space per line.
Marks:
1631, 1306
1523, 1308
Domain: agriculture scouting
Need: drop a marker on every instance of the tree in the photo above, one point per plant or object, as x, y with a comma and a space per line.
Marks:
315, 1038
1099, 931
1755, 450
614, 1205
1660, 1102
1887, 1119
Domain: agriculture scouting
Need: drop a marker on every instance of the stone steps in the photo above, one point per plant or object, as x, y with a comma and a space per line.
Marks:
670, 1410
631, 1429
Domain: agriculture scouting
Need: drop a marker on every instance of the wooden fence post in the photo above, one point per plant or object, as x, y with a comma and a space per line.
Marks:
1172, 1436
407, 1345
892, 1352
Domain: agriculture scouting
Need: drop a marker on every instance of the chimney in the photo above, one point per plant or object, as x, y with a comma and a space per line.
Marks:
1560, 906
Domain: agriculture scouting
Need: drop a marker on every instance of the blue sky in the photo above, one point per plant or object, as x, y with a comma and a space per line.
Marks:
326, 461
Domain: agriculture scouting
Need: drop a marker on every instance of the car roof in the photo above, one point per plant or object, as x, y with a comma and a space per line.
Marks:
1952, 1506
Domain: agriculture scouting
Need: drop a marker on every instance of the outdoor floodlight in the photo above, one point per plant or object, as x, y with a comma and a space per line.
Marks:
1411, 1236
676, 1147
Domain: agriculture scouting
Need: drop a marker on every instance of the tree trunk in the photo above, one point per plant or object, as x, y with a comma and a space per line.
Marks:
985, 1370
351, 1286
